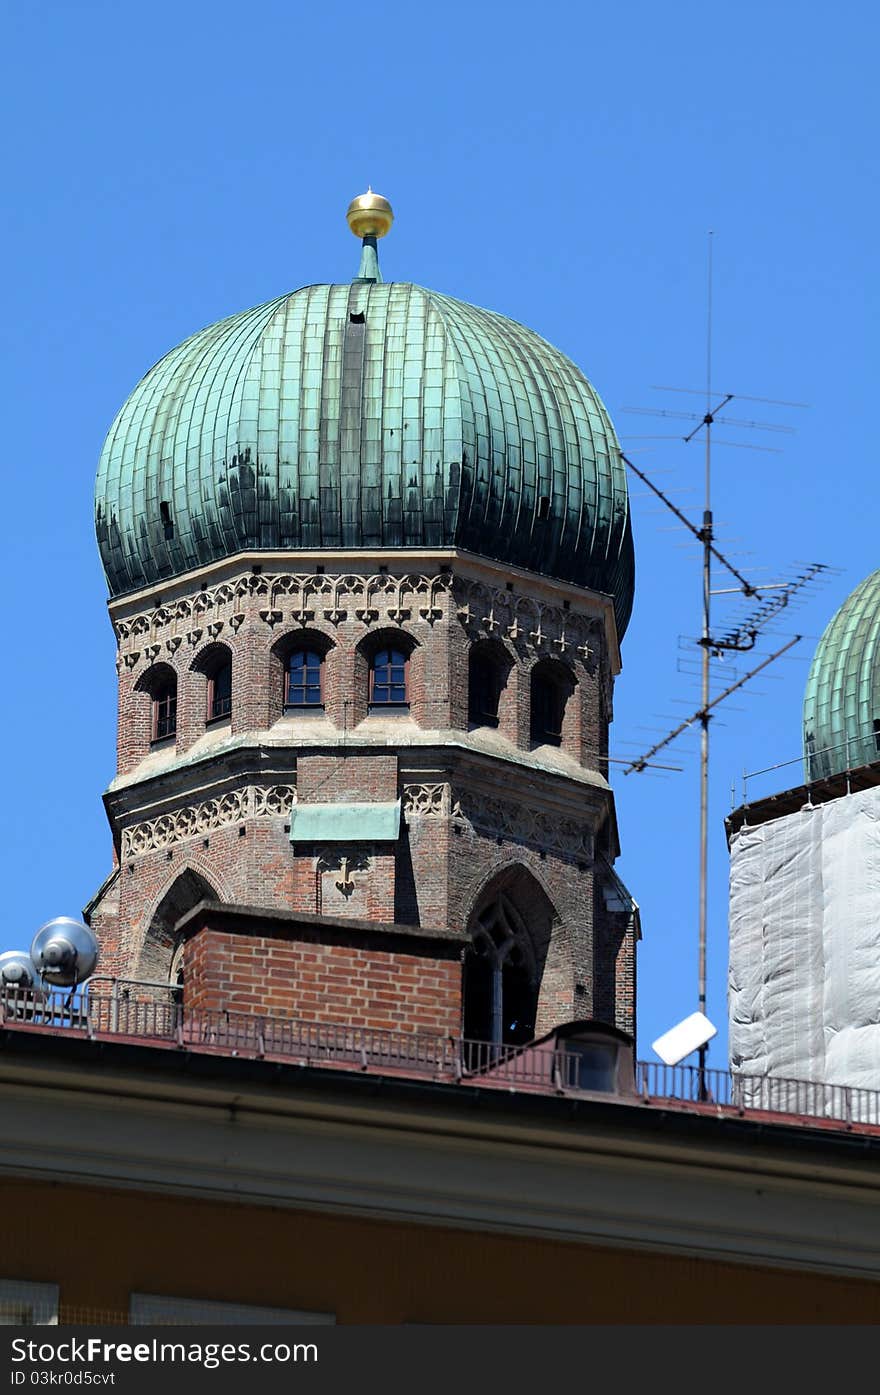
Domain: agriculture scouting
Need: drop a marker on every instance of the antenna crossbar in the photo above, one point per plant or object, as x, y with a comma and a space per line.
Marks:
722, 421
703, 713
745, 586
743, 635
740, 397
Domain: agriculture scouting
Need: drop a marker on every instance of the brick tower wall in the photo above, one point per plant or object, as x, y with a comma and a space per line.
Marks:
206, 813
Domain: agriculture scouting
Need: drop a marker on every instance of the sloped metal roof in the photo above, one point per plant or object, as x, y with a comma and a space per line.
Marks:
367, 415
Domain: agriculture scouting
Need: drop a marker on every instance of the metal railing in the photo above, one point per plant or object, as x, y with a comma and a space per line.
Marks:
512, 1067
768, 1094
314, 1043
138, 1012
130, 1007
160, 1019
858, 750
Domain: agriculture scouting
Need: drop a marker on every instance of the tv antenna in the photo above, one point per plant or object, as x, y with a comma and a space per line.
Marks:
739, 637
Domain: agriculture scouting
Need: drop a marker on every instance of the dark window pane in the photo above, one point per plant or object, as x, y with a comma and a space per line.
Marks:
221, 691
303, 679
549, 697
484, 691
164, 713
389, 678
478, 994
500, 996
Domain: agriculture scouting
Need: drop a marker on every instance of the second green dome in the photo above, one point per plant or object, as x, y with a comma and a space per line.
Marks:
365, 416
842, 699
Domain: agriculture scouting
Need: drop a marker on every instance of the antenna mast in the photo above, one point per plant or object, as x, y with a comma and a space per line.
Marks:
707, 538
739, 636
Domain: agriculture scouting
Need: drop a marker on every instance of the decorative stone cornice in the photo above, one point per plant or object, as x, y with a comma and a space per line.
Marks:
301, 598
427, 801
550, 630
517, 823
520, 824
195, 820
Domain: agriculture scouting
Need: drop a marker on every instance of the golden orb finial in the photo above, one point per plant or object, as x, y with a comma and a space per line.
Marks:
369, 215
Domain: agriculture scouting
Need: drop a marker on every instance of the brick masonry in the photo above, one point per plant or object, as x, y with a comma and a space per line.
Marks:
379, 979
206, 813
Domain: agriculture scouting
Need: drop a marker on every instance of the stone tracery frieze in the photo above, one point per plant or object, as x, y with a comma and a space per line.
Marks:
568, 837
548, 628
523, 825
193, 821
432, 800
544, 629
303, 597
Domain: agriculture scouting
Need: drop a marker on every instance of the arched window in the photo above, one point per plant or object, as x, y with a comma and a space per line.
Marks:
220, 690
164, 709
304, 679
389, 674
501, 978
486, 678
551, 687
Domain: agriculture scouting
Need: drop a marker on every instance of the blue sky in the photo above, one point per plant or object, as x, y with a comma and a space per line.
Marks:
169, 164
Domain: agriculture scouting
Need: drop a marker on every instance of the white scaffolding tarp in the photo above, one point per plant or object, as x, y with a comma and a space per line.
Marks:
804, 978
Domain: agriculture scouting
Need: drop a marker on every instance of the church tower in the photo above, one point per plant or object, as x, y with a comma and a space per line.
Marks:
370, 560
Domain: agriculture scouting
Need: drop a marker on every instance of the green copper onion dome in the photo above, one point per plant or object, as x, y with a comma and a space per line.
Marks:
842, 701
365, 416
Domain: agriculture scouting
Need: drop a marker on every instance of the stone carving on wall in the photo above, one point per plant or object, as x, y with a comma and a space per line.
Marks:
516, 822
568, 837
427, 800
194, 821
302, 597
347, 863
548, 631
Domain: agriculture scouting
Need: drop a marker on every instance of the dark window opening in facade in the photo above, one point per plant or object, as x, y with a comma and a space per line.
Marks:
485, 683
165, 710
220, 691
175, 976
389, 674
304, 679
501, 981
550, 692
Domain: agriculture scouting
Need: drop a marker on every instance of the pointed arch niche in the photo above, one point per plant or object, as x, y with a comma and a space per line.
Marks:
160, 961
510, 929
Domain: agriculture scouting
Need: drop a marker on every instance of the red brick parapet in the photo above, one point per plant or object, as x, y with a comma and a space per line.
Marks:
353, 972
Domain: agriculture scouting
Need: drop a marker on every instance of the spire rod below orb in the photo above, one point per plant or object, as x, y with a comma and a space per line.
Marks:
369, 216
